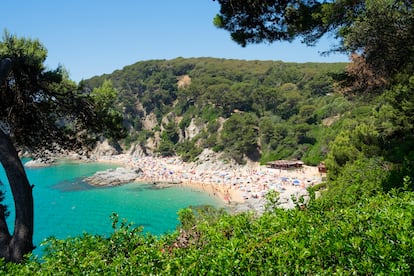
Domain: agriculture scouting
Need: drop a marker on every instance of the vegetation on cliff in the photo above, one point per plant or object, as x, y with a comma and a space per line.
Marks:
261, 110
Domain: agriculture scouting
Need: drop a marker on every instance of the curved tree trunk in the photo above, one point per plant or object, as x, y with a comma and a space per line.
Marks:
14, 247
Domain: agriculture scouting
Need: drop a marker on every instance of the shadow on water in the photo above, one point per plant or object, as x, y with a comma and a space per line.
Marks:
73, 185
80, 185
157, 187
137, 188
148, 186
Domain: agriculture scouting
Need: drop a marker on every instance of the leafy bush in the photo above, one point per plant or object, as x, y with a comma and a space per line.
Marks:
375, 235
239, 136
188, 151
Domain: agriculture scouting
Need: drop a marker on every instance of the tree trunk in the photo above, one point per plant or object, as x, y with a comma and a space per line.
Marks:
14, 247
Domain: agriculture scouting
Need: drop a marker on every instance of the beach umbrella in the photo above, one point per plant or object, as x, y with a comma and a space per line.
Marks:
296, 182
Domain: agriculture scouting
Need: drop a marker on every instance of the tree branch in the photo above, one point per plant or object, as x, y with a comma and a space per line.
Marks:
21, 242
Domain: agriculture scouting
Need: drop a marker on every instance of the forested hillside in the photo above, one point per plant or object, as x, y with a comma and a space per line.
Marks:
267, 110
261, 110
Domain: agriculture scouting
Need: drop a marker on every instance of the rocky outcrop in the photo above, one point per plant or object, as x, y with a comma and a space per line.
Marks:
209, 160
150, 121
183, 81
193, 129
286, 201
136, 151
104, 148
39, 162
113, 177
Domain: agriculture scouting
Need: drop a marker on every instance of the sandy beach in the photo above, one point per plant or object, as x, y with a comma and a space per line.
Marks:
234, 184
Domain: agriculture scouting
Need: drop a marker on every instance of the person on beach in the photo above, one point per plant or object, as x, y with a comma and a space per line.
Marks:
226, 182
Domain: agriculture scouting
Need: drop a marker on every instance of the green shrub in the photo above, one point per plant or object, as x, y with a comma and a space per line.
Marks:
374, 235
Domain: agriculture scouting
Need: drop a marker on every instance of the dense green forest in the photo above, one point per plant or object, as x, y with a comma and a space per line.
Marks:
261, 110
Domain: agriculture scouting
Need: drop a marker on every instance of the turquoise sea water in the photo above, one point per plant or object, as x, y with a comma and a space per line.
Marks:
66, 206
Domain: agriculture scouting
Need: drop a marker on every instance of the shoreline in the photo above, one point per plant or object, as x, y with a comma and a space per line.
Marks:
235, 185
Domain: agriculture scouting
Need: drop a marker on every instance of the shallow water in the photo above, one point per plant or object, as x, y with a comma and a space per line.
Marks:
66, 206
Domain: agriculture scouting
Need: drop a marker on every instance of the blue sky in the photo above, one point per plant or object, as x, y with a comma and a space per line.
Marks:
93, 37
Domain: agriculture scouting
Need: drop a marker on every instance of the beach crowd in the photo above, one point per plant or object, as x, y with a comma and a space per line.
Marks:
232, 183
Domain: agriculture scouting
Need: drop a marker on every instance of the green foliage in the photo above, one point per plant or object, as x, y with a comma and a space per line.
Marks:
35, 102
169, 138
239, 136
359, 178
188, 151
384, 33
170, 132
108, 115
185, 122
380, 30
209, 113
341, 152
166, 148
104, 96
372, 236
272, 201
283, 93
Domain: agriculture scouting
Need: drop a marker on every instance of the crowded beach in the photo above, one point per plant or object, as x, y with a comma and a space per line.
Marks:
234, 184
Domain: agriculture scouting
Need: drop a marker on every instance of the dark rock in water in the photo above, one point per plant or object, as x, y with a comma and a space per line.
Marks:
72, 186
138, 188
157, 185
